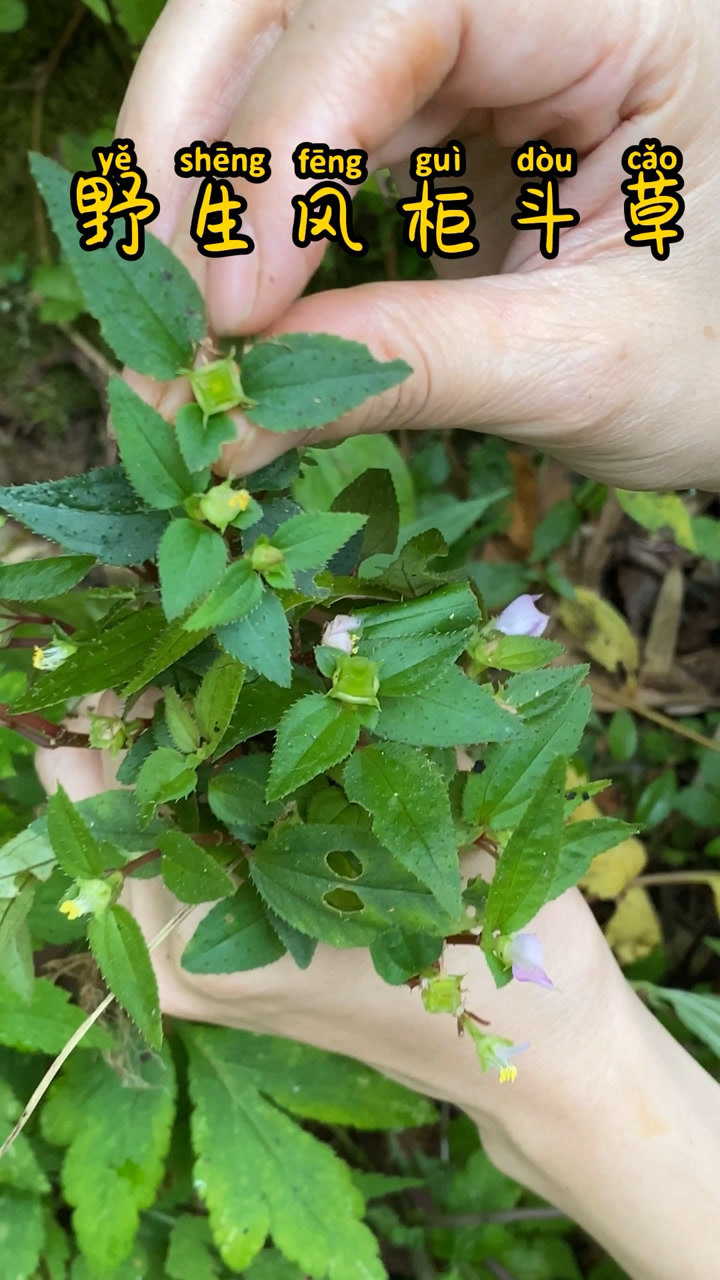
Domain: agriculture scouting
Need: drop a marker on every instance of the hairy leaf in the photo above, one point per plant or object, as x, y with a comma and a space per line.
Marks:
122, 955
313, 735
261, 640
189, 872
148, 448
234, 936
191, 561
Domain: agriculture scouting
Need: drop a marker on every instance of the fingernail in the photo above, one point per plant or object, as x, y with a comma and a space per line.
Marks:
232, 287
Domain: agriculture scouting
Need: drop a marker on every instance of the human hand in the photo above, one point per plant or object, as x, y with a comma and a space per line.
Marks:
340, 1003
603, 356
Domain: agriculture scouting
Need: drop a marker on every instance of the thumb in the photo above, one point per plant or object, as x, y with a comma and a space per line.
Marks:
526, 356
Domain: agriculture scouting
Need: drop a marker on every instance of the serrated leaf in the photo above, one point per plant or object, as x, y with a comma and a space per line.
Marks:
410, 664
373, 494
191, 561
261, 640
180, 722
581, 842
301, 948
74, 845
525, 872
407, 798
522, 653
148, 448
233, 937
34, 579
309, 379
97, 513
117, 1127
698, 1011
313, 735
453, 712
189, 872
201, 440
304, 873
216, 699
124, 961
238, 593
308, 541
398, 955
261, 705
106, 658
172, 644
409, 573
46, 1022
259, 1172
326, 471
191, 1254
447, 611
19, 1167
238, 800
499, 796
165, 775
22, 1232
150, 310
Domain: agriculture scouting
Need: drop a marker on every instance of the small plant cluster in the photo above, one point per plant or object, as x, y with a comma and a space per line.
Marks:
338, 719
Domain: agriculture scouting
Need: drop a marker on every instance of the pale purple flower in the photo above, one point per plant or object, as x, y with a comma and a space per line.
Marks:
524, 953
521, 618
341, 633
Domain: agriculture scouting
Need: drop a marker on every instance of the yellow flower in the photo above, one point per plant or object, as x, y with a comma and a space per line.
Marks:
240, 500
71, 908
53, 655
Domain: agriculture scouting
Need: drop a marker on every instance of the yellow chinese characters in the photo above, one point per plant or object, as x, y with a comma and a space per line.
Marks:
324, 212
217, 219
439, 221
653, 204
539, 200
117, 188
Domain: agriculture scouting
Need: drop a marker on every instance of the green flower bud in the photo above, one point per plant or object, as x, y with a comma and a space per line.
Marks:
222, 504
263, 555
217, 386
108, 733
443, 993
355, 680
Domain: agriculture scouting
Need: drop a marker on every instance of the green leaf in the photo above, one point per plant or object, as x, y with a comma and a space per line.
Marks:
117, 1126
233, 937
449, 611
238, 800
22, 1233
327, 470
410, 573
525, 872
301, 948
172, 644
201, 440
581, 842
45, 1023
19, 1167
97, 513
189, 872
216, 699
407, 798
500, 795
148, 448
191, 1254
337, 883
165, 775
260, 707
238, 593
522, 653
310, 379
124, 961
270, 1265
655, 511
181, 724
557, 526
451, 520
75, 847
107, 656
309, 540
657, 800
34, 579
398, 955
150, 310
698, 1011
259, 1173
453, 712
313, 735
411, 664
622, 736
191, 561
261, 640
373, 494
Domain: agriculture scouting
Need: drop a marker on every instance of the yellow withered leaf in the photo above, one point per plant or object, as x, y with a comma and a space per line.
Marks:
633, 931
601, 630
